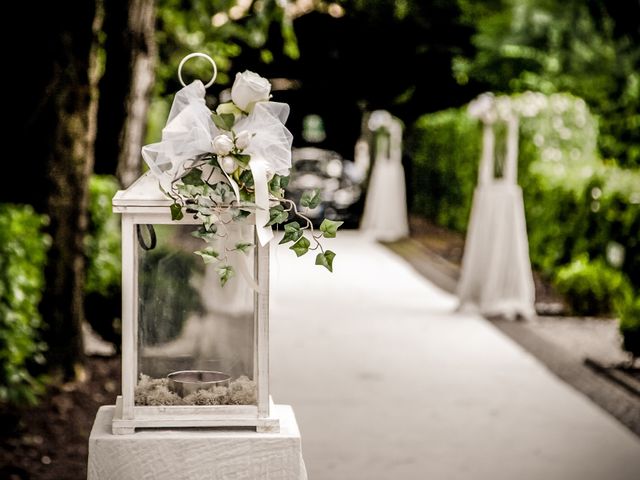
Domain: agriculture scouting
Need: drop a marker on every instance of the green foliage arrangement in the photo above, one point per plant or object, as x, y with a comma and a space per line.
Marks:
575, 204
241, 171
23, 250
591, 288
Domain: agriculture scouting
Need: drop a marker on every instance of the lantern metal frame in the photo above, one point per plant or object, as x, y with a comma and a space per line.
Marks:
144, 203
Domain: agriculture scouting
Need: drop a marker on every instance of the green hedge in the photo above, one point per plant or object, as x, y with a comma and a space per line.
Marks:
23, 249
630, 326
576, 206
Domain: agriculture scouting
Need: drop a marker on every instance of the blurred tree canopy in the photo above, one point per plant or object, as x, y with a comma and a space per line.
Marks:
588, 48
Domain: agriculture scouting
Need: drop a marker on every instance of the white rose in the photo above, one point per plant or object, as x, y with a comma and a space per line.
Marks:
242, 140
249, 88
222, 144
228, 164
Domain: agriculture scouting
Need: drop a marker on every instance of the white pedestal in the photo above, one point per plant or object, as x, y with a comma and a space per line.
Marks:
193, 454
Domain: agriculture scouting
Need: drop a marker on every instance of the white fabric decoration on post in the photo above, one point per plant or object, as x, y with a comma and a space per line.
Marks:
385, 208
496, 277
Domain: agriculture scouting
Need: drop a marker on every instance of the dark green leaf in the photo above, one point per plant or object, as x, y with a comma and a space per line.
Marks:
329, 228
221, 122
225, 273
243, 247
194, 177
229, 119
301, 246
176, 211
277, 185
209, 255
310, 199
246, 177
239, 214
277, 215
242, 159
326, 259
205, 234
292, 232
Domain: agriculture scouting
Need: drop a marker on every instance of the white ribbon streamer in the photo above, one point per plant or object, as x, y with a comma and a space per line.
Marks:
259, 171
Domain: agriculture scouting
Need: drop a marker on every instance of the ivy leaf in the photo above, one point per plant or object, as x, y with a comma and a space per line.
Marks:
194, 177
277, 185
242, 159
292, 232
243, 247
301, 246
205, 234
225, 273
329, 228
310, 199
246, 177
176, 211
277, 215
223, 121
222, 193
239, 214
209, 255
326, 259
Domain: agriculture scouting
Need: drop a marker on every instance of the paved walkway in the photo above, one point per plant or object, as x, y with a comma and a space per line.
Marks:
388, 383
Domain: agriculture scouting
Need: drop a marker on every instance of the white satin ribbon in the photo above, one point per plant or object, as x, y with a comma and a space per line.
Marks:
259, 171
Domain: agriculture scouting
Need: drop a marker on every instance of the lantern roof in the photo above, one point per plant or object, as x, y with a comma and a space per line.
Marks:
144, 192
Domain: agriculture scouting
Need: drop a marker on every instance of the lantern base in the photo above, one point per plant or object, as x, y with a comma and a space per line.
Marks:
194, 416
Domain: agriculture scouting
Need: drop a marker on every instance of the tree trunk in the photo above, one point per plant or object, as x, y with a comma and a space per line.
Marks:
70, 113
125, 87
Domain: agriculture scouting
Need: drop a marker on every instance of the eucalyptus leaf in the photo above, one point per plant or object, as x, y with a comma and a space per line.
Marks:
326, 259
311, 199
329, 228
301, 246
292, 232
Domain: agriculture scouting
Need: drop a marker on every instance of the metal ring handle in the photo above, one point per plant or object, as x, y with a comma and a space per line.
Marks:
202, 55
152, 237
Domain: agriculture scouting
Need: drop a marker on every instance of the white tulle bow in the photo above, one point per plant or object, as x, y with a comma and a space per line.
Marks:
187, 135
270, 150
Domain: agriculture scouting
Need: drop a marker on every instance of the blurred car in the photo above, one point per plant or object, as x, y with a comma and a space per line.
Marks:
338, 181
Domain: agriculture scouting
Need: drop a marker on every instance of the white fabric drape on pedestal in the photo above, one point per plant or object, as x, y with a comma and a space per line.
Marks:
496, 277
385, 209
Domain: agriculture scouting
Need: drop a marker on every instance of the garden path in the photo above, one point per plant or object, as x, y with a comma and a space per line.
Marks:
388, 382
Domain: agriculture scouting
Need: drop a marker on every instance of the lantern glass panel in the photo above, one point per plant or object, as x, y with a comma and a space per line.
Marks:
195, 337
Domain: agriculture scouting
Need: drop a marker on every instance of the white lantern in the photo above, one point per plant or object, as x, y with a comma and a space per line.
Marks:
194, 353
